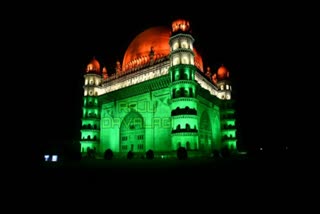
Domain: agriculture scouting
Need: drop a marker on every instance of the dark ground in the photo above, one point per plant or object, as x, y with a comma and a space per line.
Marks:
235, 170
265, 179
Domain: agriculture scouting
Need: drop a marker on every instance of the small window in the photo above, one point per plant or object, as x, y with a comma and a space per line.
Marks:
175, 46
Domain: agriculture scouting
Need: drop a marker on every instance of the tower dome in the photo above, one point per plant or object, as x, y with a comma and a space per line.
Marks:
154, 40
222, 72
93, 66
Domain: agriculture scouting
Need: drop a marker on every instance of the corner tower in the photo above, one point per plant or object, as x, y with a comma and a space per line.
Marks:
90, 123
227, 109
183, 87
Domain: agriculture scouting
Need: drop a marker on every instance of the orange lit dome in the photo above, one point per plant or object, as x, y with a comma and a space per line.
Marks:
155, 39
222, 72
93, 66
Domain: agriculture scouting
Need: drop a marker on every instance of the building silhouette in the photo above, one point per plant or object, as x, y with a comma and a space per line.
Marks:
159, 98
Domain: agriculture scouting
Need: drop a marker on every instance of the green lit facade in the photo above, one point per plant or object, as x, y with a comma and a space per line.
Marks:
160, 99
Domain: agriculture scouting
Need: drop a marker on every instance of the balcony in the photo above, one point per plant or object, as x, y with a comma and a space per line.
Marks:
184, 111
186, 130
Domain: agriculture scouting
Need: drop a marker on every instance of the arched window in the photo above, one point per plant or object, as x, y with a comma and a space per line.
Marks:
177, 75
190, 92
186, 92
182, 92
178, 92
174, 93
185, 75
175, 45
184, 44
176, 61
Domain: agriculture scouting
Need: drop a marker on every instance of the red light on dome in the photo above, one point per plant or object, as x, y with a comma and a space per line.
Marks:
222, 72
93, 66
180, 24
152, 43
138, 52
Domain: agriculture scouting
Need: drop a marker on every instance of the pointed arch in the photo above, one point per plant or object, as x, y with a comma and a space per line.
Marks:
205, 132
132, 133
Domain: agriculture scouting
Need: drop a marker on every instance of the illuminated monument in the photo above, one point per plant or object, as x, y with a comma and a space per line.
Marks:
159, 98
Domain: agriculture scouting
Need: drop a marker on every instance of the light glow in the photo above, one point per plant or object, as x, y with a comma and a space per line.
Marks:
159, 114
127, 81
46, 157
54, 158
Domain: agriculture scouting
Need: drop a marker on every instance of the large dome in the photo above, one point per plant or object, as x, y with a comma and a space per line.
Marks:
155, 39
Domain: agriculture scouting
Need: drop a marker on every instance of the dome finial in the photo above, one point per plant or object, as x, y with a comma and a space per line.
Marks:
151, 55
118, 67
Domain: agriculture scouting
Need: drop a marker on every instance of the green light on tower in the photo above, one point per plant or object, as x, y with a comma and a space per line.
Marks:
160, 98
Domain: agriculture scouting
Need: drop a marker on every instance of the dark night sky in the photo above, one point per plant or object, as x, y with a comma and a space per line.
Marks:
251, 42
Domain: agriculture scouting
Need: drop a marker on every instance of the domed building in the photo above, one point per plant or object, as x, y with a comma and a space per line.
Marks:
159, 98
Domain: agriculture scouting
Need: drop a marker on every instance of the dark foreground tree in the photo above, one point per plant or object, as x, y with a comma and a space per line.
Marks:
150, 154
216, 153
108, 154
91, 153
225, 152
182, 153
130, 155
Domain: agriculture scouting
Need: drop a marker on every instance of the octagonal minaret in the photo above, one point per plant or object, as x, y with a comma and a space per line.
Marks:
90, 123
183, 87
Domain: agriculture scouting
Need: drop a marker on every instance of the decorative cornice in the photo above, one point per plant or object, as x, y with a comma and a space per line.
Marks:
133, 90
184, 134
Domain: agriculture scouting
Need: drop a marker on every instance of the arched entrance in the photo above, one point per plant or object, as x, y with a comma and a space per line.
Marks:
205, 132
132, 133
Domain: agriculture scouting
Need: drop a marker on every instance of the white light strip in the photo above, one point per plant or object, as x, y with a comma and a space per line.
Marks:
126, 82
139, 77
205, 84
